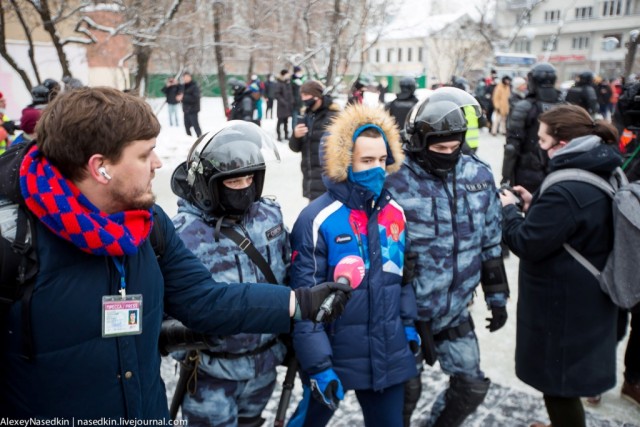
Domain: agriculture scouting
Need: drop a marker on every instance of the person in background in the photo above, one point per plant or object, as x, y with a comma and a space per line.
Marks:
296, 83
500, 99
523, 162
367, 348
7, 126
237, 373
382, 90
270, 87
28, 121
284, 96
99, 175
189, 96
604, 93
405, 100
518, 93
579, 358
171, 89
583, 93
454, 226
319, 111
255, 91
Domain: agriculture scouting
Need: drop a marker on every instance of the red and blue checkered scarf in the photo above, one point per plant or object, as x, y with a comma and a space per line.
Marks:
64, 210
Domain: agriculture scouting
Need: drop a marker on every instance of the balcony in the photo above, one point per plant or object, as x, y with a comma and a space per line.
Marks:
520, 4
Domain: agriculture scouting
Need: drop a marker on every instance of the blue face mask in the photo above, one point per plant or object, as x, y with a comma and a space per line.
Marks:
371, 179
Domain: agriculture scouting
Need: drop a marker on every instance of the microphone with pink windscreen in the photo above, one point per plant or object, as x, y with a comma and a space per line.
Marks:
350, 271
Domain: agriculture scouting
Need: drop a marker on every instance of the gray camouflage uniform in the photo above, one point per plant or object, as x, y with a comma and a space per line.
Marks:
453, 228
231, 386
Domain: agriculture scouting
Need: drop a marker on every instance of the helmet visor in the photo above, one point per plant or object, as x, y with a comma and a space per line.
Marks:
237, 148
458, 97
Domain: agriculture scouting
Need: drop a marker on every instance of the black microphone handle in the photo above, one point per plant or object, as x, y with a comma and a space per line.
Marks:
326, 307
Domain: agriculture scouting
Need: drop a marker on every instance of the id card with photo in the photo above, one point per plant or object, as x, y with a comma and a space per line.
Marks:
121, 316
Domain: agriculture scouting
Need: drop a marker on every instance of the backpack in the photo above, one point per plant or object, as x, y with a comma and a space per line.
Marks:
619, 278
18, 255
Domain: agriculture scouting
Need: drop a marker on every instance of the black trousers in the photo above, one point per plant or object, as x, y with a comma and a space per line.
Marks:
191, 121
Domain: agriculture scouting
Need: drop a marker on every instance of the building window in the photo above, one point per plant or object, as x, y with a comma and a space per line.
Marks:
551, 16
616, 7
584, 12
581, 42
389, 54
420, 54
522, 46
409, 52
550, 44
377, 55
399, 54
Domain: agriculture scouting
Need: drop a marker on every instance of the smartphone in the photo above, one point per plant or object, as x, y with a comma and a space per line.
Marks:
300, 118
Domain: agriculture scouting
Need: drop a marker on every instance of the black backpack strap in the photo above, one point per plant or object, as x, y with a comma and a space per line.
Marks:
245, 244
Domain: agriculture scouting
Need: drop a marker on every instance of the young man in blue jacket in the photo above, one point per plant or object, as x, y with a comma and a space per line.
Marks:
66, 347
367, 349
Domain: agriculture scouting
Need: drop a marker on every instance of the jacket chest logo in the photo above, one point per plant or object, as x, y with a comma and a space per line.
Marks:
477, 186
274, 232
343, 238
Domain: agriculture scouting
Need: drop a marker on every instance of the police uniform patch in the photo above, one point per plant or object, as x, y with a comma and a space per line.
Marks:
343, 238
274, 232
477, 186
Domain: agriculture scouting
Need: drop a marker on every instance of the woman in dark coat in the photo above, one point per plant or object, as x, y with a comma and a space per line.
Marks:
566, 327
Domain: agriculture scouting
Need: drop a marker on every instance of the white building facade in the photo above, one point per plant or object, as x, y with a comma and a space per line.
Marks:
573, 35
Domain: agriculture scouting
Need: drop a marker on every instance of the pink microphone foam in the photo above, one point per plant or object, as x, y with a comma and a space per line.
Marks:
350, 268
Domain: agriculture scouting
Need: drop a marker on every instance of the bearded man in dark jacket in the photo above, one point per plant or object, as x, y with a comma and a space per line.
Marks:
319, 110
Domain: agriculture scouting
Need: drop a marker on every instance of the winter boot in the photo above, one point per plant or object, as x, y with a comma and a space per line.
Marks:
462, 398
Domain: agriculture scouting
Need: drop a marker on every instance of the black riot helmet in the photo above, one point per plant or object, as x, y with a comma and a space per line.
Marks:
234, 151
407, 85
542, 75
586, 78
441, 114
237, 86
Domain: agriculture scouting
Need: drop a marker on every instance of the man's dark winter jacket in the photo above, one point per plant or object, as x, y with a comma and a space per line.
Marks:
191, 97
284, 96
566, 327
171, 92
399, 107
311, 164
243, 107
585, 96
78, 373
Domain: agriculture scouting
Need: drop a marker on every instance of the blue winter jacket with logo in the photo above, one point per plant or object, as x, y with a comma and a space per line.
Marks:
366, 346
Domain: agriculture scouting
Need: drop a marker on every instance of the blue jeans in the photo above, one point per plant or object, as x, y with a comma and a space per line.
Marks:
173, 114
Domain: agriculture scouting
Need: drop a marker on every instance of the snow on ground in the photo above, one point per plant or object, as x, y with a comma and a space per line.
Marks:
509, 402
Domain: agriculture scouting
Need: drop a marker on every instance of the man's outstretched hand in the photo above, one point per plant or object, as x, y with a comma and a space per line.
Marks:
311, 299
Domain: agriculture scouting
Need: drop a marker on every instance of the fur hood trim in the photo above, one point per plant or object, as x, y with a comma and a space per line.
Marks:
338, 147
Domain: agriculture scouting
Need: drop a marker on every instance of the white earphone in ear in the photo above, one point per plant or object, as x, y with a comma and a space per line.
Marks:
102, 171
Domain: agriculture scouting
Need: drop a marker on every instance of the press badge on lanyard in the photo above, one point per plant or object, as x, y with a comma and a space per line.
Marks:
121, 315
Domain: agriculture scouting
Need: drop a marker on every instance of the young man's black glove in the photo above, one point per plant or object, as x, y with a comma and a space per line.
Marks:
311, 299
498, 318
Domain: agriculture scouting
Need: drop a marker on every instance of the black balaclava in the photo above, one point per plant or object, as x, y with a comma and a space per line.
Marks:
440, 164
236, 202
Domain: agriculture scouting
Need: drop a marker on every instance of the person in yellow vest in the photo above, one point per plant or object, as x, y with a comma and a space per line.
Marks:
472, 137
7, 126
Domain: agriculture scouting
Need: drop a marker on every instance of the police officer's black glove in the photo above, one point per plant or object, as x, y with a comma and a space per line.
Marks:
409, 269
310, 300
498, 318
9, 126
